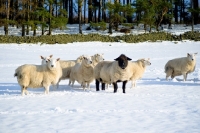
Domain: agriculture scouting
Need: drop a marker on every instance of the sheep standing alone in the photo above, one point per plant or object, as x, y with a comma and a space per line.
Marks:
82, 72
181, 66
113, 72
36, 76
138, 67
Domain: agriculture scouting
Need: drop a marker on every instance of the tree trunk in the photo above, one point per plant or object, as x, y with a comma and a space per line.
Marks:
85, 11
89, 11
80, 15
176, 12
7, 17
50, 15
27, 16
99, 15
196, 15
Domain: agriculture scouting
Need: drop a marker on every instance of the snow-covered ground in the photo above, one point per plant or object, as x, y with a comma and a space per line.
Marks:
154, 106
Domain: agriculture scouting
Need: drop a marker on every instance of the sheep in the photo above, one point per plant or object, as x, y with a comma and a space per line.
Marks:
66, 66
113, 72
45, 59
97, 70
138, 67
82, 72
96, 59
181, 66
36, 76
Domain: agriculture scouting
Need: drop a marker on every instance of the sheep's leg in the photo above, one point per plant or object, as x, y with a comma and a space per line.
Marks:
23, 89
103, 86
26, 91
115, 87
73, 83
107, 86
84, 85
46, 90
124, 86
70, 82
97, 84
133, 83
184, 76
88, 86
169, 73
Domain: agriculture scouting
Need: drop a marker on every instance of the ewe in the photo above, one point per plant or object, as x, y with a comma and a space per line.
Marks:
181, 66
82, 72
138, 68
113, 72
36, 76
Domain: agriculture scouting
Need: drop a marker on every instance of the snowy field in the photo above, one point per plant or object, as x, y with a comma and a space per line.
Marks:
154, 106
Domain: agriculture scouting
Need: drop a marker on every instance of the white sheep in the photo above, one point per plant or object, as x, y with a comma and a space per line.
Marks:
138, 68
66, 66
113, 72
45, 59
36, 76
96, 59
181, 66
82, 72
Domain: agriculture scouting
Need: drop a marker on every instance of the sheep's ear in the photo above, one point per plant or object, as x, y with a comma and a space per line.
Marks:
41, 57
188, 54
195, 53
49, 60
51, 56
58, 59
116, 59
129, 58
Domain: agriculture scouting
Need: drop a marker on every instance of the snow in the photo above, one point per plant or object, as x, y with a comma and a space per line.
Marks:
154, 106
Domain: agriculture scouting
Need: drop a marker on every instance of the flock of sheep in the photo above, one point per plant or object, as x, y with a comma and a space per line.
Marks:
85, 69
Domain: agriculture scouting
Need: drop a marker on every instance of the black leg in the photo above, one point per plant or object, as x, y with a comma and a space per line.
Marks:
97, 85
124, 86
103, 86
115, 87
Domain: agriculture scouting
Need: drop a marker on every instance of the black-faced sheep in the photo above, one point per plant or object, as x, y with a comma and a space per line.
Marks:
113, 72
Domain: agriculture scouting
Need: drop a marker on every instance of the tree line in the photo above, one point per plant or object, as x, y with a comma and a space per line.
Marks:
50, 14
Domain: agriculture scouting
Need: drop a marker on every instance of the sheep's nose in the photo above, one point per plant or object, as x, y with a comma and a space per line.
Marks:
52, 65
91, 62
192, 59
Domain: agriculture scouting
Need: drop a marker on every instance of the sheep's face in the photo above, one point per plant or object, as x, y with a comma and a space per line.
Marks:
52, 63
45, 59
123, 61
87, 60
147, 62
79, 59
192, 57
98, 57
